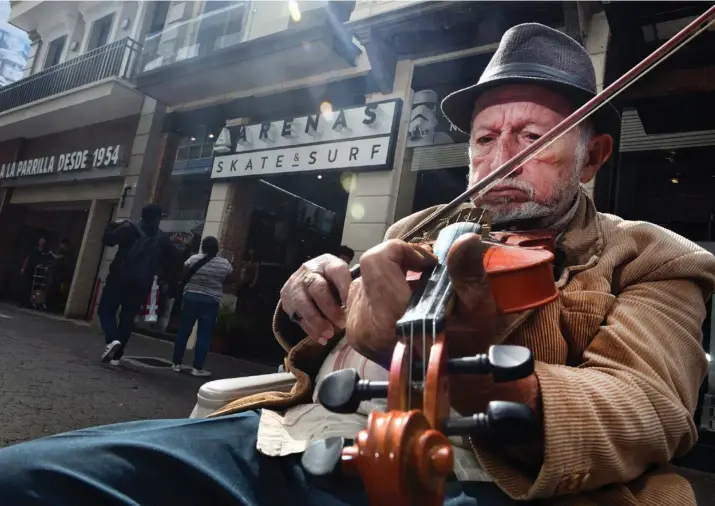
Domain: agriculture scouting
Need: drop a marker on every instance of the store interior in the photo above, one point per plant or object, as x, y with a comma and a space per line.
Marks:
51, 278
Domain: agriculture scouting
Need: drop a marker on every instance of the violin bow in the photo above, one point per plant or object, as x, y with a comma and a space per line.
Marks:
477, 191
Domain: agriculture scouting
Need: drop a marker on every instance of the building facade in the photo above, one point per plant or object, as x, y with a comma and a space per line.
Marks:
78, 141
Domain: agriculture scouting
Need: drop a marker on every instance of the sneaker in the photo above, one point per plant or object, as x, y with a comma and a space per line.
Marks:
200, 372
114, 362
176, 367
110, 350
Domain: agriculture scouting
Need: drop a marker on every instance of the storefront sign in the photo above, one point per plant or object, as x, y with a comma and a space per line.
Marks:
357, 138
103, 157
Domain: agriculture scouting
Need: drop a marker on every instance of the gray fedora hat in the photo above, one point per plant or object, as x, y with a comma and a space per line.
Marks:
532, 53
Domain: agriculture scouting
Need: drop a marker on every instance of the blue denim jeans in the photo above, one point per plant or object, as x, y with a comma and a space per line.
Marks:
204, 309
181, 462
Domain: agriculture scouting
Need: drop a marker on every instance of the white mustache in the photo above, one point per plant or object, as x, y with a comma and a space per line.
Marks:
515, 184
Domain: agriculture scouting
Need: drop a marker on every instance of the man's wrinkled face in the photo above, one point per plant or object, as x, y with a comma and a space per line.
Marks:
507, 120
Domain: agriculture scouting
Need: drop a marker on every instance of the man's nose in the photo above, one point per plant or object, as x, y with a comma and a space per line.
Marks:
506, 149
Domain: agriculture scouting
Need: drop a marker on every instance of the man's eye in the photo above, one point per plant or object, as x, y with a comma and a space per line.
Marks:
532, 137
484, 140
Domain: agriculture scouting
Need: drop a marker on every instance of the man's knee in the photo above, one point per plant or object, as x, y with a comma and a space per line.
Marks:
106, 459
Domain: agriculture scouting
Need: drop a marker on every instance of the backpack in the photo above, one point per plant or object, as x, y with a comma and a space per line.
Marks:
141, 262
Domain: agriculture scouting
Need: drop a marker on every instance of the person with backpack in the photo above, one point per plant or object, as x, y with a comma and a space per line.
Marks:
142, 250
204, 277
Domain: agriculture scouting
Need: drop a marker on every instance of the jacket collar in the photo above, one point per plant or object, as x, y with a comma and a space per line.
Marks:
581, 240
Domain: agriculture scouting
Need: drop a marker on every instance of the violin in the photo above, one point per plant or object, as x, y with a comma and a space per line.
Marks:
403, 456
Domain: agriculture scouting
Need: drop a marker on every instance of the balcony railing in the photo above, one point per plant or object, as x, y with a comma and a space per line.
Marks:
118, 59
199, 36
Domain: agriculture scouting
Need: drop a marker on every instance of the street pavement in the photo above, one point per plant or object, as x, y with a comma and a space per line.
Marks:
52, 380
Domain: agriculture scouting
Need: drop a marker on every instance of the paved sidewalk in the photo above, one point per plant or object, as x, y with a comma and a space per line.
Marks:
51, 378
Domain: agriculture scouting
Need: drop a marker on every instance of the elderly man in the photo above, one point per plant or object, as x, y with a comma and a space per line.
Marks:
619, 358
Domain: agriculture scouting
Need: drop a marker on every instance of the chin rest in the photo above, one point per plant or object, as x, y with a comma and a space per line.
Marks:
216, 394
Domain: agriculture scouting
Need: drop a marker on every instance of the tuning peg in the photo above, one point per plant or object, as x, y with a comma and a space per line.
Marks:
503, 362
343, 391
503, 421
322, 456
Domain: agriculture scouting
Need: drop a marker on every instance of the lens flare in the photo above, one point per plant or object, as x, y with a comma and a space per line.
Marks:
326, 108
357, 211
348, 181
294, 10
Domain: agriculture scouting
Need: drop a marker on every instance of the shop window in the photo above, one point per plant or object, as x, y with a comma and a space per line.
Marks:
54, 51
187, 198
99, 35
439, 186
221, 25
195, 146
158, 17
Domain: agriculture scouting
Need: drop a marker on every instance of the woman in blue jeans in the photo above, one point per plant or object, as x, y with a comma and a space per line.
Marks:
204, 277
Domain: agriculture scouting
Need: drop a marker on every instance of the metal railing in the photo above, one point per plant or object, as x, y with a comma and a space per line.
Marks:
117, 59
196, 37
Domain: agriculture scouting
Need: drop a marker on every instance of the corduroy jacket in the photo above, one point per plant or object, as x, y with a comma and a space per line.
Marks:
618, 357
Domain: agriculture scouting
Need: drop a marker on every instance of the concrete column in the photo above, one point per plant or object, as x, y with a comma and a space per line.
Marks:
228, 218
146, 154
378, 199
596, 44
90, 252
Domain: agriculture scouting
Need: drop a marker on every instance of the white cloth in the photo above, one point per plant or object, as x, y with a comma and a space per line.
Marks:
290, 433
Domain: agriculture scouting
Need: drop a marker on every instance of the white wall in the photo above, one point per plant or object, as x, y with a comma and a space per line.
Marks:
52, 20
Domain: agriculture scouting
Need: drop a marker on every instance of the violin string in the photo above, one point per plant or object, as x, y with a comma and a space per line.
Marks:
434, 303
409, 377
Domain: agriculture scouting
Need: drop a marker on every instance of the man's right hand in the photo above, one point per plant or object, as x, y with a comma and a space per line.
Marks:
310, 296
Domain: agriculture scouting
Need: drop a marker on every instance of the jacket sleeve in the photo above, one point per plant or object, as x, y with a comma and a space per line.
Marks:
110, 237
629, 404
118, 234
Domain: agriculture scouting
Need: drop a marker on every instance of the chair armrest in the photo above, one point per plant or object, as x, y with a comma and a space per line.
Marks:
216, 394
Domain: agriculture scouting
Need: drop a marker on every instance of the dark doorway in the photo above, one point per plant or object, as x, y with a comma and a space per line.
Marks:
295, 218
439, 186
26, 240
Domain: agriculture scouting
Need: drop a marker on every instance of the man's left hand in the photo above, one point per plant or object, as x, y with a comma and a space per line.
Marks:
474, 326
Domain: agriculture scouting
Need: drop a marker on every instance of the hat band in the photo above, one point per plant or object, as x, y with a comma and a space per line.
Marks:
530, 70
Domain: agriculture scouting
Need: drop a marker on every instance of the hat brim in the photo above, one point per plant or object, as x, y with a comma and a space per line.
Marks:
458, 106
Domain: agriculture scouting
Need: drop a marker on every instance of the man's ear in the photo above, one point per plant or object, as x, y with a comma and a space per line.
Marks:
599, 149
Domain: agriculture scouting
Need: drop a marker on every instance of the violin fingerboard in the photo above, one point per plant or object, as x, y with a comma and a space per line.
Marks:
432, 295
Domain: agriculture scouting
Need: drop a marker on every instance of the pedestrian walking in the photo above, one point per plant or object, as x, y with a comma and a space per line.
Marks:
204, 277
142, 250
